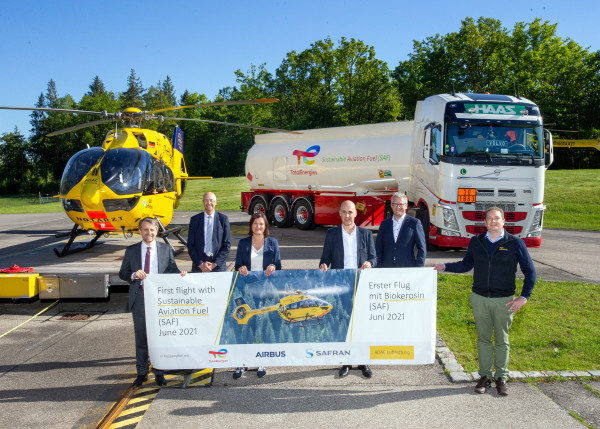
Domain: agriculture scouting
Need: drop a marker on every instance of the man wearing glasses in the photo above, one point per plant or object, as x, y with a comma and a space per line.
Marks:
400, 240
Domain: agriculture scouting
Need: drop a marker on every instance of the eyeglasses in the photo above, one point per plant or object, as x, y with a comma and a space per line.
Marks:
399, 204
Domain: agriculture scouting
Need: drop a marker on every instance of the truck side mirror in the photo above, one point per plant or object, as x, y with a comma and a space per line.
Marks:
548, 149
426, 143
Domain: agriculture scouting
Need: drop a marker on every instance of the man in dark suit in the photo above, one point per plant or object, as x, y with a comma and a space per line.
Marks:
349, 246
209, 238
140, 260
398, 238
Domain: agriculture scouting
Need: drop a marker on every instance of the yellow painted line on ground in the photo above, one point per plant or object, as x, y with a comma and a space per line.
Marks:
142, 398
134, 410
31, 318
124, 423
138, 400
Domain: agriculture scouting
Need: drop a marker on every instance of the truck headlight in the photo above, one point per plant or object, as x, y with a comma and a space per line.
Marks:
449, 218
537, 220
448, 233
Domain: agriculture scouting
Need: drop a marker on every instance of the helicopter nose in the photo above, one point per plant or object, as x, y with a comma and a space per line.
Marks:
90, 196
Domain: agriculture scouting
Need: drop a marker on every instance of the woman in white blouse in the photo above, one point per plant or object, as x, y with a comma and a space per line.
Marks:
257, 252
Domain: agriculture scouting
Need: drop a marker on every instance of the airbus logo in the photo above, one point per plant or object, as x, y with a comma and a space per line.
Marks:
280, 353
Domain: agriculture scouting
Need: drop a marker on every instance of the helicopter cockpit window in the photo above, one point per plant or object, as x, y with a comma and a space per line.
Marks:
78, 166
124, 171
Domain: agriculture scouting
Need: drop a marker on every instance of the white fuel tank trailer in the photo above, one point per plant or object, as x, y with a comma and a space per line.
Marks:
462, 154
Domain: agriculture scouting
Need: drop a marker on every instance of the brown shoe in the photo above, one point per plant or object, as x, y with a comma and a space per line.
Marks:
483, 385
501, 387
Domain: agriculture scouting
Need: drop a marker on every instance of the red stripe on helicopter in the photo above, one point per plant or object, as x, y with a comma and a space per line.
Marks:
101, 221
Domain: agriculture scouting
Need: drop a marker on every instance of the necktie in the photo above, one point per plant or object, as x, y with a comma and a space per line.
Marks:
208, 239
146, 263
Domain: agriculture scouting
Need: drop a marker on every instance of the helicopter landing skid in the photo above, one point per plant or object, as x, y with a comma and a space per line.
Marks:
164, 234
75, 232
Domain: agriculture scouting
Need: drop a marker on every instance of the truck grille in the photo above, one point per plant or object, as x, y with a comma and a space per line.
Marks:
483, 206
508, 216
478, 229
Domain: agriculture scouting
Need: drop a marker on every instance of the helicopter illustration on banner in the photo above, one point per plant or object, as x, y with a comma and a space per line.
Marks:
136, 173
301, 307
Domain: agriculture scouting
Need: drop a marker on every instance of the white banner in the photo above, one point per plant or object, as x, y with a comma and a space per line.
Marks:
292, 318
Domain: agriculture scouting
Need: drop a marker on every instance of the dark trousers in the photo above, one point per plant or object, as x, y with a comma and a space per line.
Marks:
141, 341
195, 268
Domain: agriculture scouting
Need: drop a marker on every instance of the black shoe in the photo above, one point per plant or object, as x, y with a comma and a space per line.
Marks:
501, 386
139, 380
366, 371
483, 385
344, 371
160, 380
261, 372
238, 372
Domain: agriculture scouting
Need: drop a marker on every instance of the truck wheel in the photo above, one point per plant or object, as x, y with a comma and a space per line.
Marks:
387, 211
423, 216
258, 205
280, 213
304, 216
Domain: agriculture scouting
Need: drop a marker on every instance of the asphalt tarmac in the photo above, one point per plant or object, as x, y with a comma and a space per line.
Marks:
58, 372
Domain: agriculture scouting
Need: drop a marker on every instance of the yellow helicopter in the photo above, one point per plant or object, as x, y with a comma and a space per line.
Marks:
136, 173
299, 307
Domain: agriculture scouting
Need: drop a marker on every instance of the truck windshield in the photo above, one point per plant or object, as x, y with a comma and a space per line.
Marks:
497, 140
125, 171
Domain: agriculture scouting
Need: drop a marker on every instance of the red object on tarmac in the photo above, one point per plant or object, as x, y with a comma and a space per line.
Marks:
16, 269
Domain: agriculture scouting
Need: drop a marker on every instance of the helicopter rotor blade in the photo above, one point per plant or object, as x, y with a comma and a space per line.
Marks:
80, 126
327, 290
220, 103
48, 109
254, 127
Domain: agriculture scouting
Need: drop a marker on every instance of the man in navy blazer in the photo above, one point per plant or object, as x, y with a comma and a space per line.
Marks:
209, 255
141, 259
349, 246
398, 238
333, 250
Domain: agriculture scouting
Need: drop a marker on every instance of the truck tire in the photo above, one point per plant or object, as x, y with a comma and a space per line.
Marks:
387, 211
423, 216
280, 213
258, 204
304, 217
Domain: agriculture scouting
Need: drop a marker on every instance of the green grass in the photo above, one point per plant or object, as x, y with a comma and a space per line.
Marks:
227, 190
28, 204
572, 198
556, 330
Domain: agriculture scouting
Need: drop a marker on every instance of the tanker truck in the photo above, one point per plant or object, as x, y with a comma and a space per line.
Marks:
462, 154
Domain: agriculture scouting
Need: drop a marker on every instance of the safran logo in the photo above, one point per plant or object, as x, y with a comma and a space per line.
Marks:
219, 354
322, 353
311, 152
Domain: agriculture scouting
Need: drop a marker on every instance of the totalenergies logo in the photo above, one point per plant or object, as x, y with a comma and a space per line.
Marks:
311, 152
219, 354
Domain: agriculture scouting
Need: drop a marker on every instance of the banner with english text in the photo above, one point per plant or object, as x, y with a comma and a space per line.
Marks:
292, 318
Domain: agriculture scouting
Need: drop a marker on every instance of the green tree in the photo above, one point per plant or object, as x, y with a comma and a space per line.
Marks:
15, 166
133, 95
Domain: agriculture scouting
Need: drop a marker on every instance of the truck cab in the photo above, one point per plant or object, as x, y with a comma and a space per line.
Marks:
474, 151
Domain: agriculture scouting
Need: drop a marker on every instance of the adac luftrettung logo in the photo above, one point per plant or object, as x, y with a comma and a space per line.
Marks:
219, 354
311, 152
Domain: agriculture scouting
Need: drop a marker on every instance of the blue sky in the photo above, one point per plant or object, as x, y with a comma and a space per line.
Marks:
72, 41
